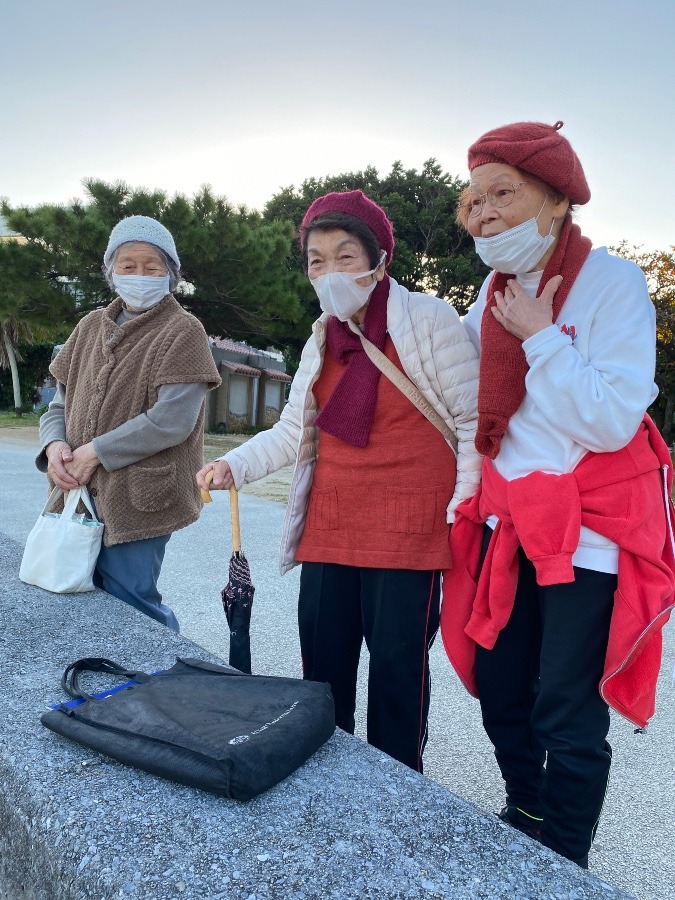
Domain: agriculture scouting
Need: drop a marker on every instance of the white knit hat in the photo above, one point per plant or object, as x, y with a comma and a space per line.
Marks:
141, 228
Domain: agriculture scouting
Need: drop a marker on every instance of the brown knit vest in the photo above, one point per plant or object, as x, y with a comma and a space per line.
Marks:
112, 373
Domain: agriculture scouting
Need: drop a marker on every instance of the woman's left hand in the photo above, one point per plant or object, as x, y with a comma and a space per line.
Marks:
84, 463
522, 315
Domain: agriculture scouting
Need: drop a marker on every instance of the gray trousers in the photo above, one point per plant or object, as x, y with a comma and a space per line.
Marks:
130, 572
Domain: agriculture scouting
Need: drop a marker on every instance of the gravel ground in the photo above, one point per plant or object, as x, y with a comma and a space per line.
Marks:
636, 837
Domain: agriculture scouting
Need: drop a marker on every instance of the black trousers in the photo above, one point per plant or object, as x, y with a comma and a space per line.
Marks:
396, 611
541, 705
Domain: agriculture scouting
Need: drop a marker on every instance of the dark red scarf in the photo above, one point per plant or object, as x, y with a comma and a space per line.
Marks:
348, 413
503, 365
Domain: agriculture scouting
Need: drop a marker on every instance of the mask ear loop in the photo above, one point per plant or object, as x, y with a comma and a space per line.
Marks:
550, 231
382, 262
356, 275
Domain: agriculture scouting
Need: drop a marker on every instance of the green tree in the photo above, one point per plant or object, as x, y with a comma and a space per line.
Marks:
243, 268
33, 305
34, 368
237, 264
659, 268
432, 252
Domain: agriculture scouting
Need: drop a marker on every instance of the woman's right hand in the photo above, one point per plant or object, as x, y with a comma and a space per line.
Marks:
58, 454
222, 476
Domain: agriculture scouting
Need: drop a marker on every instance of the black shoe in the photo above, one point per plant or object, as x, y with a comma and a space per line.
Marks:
520, 820
581, 861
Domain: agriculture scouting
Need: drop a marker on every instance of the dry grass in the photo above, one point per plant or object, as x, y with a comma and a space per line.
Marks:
216, 445
273, 487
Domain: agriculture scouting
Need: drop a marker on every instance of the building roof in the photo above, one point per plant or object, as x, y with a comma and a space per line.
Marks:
240, 347
240, 369
227, 344
250, 359
276, 375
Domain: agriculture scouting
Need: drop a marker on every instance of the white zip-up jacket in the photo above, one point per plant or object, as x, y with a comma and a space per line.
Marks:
436, 354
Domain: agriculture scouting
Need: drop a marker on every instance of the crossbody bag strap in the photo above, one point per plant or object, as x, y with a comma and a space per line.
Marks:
406, 386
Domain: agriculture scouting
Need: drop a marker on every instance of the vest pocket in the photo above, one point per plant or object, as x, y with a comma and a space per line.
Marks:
412, 512
152, 489
322, 513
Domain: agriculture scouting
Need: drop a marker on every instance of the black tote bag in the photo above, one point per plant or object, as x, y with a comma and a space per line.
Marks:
200, 724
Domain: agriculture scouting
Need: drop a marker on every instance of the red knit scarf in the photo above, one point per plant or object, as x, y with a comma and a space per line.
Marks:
348, 412
503, 365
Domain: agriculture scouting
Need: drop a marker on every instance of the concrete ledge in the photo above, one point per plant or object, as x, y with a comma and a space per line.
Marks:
350, 823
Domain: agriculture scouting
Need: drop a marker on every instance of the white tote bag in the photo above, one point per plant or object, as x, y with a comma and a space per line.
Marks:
61, 550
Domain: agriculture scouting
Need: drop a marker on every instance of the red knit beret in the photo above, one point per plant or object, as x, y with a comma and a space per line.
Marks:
536, 148
355, 203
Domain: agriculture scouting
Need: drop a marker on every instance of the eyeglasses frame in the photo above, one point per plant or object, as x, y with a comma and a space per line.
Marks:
476, 211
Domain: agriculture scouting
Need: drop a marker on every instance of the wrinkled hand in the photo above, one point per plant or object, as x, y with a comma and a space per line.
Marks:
522, 315
222, 476
58, 454
83, 464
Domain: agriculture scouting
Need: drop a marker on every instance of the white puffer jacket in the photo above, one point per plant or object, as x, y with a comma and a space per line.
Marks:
436, 354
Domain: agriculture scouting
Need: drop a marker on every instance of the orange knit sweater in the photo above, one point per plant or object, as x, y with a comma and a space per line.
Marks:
382, 506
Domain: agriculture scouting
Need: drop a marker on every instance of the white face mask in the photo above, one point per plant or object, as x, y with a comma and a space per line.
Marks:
339, 294
141, 292
517, 250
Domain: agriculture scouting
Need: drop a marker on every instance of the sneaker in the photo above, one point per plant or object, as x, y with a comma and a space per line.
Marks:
522, 821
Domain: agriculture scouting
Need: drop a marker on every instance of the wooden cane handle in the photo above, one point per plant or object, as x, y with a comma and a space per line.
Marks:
206, 497
234, 519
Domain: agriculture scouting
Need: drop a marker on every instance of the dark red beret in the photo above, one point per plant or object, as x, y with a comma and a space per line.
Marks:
355, 203
536, 148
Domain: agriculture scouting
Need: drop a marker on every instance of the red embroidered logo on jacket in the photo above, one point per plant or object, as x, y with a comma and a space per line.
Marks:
569, 330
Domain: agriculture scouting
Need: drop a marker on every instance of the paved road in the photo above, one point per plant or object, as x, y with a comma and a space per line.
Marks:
636, 840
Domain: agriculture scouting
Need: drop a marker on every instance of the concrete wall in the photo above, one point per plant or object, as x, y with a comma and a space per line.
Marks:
350, 823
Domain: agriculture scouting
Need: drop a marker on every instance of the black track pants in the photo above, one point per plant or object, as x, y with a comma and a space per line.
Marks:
541, 706
396, 611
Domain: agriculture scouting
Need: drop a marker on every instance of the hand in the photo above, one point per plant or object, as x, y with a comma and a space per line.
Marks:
522, 315
222, 476
84, 463
58, 454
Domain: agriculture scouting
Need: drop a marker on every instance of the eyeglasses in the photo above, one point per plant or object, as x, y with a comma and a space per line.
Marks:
499, 195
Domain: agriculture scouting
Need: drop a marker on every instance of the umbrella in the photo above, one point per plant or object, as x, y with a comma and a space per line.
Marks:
237, 595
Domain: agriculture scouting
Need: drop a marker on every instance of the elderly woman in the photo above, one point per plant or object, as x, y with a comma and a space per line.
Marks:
566, 574
375, 483
127, 419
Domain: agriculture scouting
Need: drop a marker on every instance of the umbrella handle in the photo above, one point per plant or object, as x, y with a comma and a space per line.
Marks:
206, 496
234, 519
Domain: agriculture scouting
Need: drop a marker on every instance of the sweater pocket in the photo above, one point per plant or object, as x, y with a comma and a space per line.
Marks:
322, 513
413, 512
152, 489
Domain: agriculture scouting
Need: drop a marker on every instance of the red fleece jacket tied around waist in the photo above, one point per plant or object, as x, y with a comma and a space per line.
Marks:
619, 495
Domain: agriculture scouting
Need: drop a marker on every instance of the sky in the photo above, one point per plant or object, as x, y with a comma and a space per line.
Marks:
256, 95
